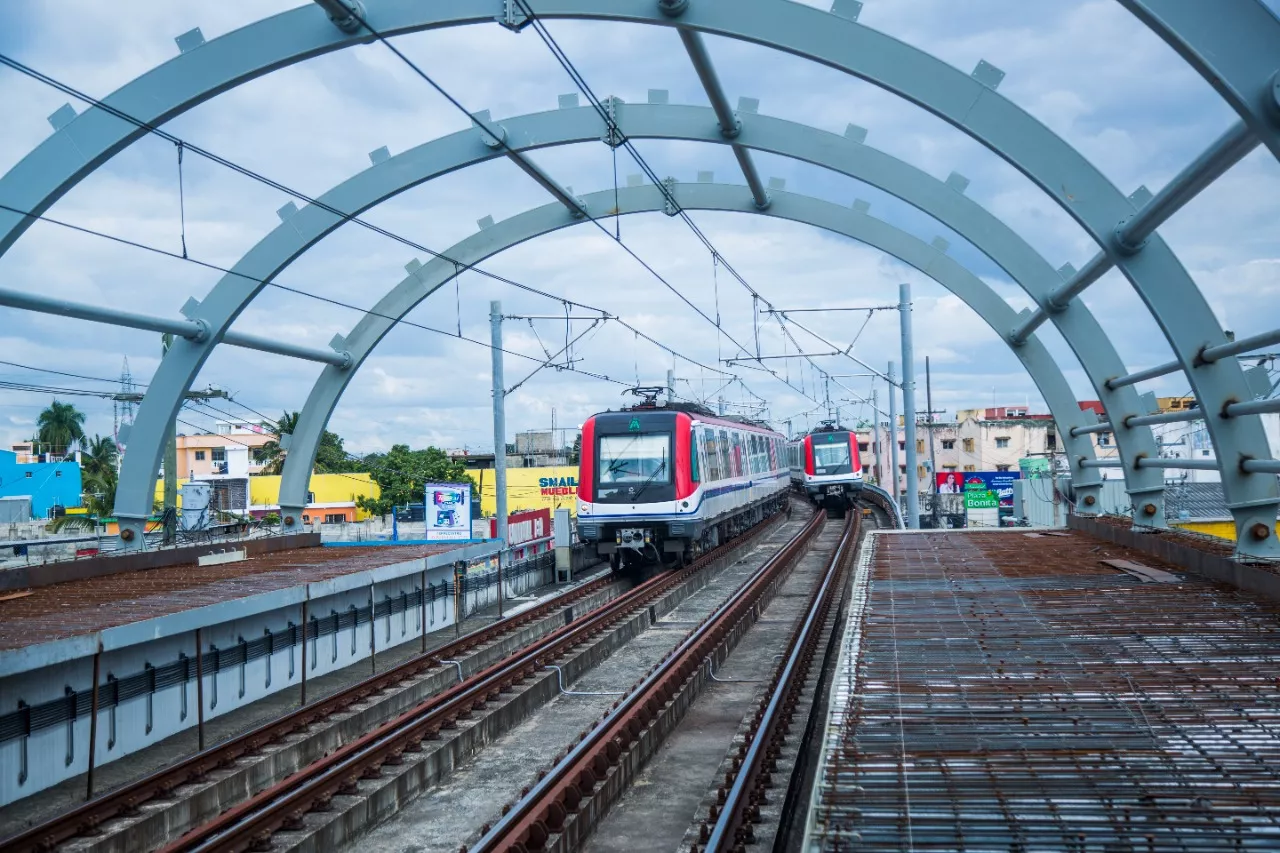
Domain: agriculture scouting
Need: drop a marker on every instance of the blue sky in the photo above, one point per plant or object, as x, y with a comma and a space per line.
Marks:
1088, 70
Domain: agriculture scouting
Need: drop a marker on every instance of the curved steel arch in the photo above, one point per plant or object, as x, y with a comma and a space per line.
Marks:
561, 127
329, 388
1077, 186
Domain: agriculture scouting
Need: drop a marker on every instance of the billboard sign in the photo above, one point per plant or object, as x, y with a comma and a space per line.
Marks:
999, 482
448, 512
950, 482
981, 499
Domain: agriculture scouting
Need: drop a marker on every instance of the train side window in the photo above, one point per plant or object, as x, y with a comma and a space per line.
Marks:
693, 456
726, 455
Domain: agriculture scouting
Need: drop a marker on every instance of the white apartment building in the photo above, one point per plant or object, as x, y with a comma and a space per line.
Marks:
974, 442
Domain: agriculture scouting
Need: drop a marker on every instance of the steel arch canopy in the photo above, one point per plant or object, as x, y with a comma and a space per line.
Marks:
1063, 173
693, 123
329, 388
561, 127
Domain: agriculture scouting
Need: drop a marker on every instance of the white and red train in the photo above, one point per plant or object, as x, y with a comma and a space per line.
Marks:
826, 467
669, 482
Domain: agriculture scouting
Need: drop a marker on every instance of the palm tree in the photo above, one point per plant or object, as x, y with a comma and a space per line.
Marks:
271, 455
98, 486
59, 426
100, 457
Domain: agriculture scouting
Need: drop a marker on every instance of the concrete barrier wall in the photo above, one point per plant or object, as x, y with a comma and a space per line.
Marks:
1214, 567
35, 755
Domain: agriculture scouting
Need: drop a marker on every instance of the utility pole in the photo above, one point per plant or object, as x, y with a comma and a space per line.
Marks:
170, 468
933, 461
671, 387
499, 437
893, 435
909, 405
875, 432
720, 406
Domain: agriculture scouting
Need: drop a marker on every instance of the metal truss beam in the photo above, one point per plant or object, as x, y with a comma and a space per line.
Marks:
1234, 52
1131, 235
192, 330
730, 126
500, 236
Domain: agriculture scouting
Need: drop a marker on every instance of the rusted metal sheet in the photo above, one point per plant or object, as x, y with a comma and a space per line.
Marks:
1146, 574
1012, 695
93, 604
66, 571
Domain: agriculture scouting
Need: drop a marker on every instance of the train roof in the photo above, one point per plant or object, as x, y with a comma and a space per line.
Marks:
826, 427
698, 412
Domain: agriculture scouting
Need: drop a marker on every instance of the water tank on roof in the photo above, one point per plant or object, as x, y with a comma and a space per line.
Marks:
195, 505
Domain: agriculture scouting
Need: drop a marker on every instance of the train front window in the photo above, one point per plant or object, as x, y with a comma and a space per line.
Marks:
831, 455
635, 459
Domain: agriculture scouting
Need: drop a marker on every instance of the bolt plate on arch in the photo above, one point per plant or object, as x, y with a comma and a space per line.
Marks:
988, 75
847, 9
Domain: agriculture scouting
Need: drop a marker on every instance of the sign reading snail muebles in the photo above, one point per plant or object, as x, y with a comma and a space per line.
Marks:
448, 512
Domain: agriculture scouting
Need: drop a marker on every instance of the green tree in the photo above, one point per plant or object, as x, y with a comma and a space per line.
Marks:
331, 457
99, 479
402, 474
59, 426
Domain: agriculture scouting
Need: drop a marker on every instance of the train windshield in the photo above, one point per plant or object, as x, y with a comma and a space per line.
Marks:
828, 456
638, 458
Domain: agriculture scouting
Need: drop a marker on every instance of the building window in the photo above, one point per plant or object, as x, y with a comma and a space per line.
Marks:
199, 455
311, 497
219, 454
863, 447
970, 468
920, 446
866, 469
968, 448
336, 518
1051, 441
1002, 442
1002, 467
902, 469
1204, 453
902, 445
1104, 439
948, 467
949, 444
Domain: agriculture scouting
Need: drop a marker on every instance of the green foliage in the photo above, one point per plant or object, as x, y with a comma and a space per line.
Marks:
58, 427
98, 478
271, 518
402, 474
331, 457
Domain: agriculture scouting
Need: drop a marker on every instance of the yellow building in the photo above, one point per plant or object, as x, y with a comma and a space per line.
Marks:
529, 488
332, 497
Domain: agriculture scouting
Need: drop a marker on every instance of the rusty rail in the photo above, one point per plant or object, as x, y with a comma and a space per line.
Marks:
250, 824
85, 819
542, 812
756, 758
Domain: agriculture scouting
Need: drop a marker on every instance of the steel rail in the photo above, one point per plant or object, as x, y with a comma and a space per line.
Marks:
88, 817
251, 823
542, 812
741, 807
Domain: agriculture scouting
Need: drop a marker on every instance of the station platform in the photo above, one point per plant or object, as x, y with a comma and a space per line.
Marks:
1015, 691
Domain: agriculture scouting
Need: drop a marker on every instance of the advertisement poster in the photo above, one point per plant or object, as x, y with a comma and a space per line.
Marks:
950, 482
999, 482
448, 512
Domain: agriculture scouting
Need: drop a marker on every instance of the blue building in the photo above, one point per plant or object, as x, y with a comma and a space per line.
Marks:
48, 484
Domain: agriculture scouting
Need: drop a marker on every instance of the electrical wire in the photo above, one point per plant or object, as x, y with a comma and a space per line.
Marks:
183, 145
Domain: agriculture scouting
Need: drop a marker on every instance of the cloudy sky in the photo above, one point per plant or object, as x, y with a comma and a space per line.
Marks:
1087, 69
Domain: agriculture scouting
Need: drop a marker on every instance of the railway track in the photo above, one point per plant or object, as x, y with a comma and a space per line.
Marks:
560, 810
88, 819
251, 822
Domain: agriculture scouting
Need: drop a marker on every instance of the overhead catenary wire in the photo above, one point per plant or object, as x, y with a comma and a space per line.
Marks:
500, 141
245, 171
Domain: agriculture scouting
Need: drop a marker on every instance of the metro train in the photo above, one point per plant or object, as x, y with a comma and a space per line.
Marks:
665, 482
826, 467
